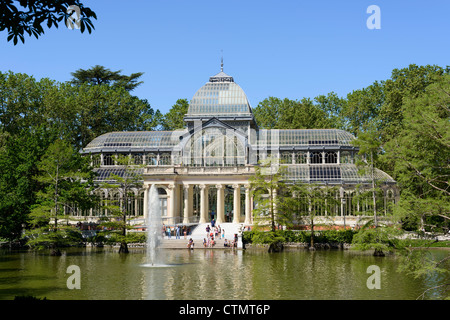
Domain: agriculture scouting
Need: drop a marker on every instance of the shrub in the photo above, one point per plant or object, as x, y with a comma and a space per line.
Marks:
326, 236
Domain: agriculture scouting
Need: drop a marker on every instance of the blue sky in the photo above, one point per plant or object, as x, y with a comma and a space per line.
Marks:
284, 48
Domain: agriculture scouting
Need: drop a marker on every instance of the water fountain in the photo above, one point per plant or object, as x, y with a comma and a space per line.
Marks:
154, 228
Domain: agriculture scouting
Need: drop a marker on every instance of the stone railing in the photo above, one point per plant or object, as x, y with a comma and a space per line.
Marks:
150, 170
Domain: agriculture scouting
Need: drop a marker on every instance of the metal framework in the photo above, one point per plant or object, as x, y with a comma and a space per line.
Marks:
219, 150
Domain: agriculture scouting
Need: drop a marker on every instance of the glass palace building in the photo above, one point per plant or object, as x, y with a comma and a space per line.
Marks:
203, 171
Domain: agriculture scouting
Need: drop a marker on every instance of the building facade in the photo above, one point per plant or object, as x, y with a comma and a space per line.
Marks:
203, 170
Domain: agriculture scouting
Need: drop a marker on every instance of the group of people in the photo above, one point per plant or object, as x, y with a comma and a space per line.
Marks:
177, 230
215, 232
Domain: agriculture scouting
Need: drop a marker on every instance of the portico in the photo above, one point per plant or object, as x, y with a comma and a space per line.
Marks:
193, 198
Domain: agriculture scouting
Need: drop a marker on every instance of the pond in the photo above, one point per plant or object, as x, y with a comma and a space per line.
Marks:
207, 274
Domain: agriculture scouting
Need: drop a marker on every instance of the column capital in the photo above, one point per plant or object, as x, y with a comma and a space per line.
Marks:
203, 186
219, 186
236, 186
171, 186
187, 186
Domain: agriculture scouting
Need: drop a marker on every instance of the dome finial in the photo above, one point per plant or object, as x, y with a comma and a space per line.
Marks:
221, 62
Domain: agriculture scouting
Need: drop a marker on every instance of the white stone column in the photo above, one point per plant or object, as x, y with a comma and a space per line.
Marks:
188, 202
172, 203
248, 213
220, 203
203, 203
236, 203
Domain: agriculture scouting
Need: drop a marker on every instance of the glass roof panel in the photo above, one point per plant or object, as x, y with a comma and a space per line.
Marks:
104, 174
345, 173
303, 137
136, 139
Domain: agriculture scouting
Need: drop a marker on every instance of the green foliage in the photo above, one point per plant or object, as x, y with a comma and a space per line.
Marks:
65, 179
33, 115
291, 236
29, 19
79, 113
173, 119
19, 154
274, 113
48, 237
99, 75
380, 238
268, 237
421, 152
117, 215
267, 187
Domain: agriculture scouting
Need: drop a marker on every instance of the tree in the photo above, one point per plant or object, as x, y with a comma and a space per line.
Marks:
173, 119
362, 109
405, 83
421, 151
98, 75
274, 113
124, 183
64, 175
80, 113
333, 106
378, 238
33, 114
421, 263
267, 189
309, 200
36, 12
369, 147
19, 154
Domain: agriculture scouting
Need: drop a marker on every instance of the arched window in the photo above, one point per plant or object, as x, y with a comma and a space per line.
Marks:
301, 157
108, 159
140, 203
130, 205
96, 160
151, 159
286, 157
330, 157
165, 159
315, 157
346, 157
138, 158
214, 147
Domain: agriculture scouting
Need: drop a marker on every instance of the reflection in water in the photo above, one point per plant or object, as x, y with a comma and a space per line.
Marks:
208, 274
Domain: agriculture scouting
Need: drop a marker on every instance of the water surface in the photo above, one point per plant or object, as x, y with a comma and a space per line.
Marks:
207, 274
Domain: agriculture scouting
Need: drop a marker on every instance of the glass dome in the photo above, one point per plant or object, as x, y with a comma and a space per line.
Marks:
221, 96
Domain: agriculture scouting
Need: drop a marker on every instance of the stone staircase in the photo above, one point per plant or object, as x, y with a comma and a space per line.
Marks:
198, 233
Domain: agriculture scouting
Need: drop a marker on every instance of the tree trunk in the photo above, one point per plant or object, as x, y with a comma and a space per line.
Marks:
373, 192
378, 253
123, 248
272, 211
311, 247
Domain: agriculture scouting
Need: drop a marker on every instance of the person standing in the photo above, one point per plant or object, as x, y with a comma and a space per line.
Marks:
177, 232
